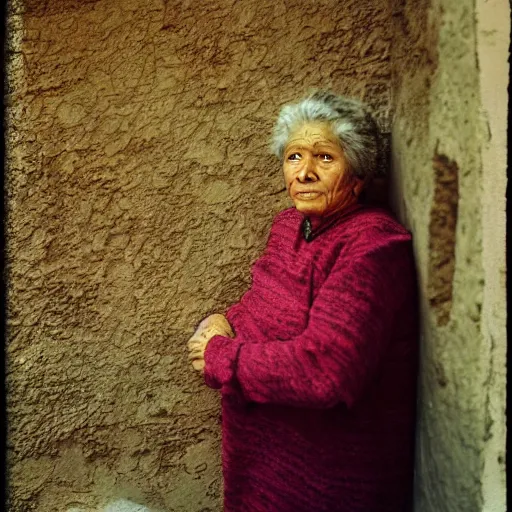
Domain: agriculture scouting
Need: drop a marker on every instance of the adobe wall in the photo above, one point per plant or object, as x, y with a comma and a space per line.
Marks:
140, 191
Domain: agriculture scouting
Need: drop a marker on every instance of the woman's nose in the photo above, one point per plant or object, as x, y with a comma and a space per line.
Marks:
307, 171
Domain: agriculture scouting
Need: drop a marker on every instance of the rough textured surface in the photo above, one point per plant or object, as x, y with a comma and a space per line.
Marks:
442, 230
438, 105
139, 193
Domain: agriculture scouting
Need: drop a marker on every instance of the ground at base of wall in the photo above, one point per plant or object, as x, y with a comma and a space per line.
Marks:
117, 506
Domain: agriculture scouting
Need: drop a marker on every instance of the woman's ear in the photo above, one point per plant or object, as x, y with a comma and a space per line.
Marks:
357, 186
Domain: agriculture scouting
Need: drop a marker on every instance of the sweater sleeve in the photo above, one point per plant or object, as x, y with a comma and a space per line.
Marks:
348, 332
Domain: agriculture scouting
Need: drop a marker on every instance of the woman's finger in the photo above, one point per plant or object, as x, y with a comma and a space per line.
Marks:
194, 342
193, 354
198, 365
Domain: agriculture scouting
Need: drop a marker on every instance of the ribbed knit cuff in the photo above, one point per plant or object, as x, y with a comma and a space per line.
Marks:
220, 358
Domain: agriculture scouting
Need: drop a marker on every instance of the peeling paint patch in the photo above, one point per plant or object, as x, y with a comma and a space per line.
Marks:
442, 229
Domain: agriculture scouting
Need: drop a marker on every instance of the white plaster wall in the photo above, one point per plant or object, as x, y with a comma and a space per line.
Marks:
493, 29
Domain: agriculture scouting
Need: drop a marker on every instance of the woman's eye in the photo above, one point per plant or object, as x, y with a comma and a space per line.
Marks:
294, 157
325, 158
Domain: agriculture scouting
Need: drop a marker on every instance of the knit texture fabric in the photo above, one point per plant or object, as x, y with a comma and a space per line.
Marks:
319, 384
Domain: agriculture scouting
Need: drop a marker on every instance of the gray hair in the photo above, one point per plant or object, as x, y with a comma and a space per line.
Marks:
350, 120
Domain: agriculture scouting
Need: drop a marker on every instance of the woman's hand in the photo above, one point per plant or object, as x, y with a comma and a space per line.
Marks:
211, 326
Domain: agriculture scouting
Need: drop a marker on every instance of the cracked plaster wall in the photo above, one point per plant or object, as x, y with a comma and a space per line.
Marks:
139, 192
449, 62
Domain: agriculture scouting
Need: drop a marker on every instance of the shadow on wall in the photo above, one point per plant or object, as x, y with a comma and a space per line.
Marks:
378, 191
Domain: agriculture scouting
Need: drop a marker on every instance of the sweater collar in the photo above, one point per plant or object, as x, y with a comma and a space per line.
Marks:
313, 226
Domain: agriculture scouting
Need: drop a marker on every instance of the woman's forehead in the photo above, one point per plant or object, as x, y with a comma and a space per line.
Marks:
314, 134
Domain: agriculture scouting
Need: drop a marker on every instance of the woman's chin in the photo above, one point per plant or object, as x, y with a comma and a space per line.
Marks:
313, 208
309, 209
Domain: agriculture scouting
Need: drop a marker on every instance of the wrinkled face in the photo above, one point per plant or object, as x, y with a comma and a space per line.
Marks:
316, 172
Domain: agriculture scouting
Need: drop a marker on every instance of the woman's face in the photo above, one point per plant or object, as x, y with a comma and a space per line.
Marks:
316, 172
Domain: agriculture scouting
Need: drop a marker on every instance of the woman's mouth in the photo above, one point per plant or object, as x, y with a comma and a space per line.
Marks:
307, 195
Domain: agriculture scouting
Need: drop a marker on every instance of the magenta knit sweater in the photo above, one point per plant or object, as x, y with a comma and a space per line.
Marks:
318, 385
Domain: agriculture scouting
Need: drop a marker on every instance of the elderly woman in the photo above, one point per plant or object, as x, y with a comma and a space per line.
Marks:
317, 362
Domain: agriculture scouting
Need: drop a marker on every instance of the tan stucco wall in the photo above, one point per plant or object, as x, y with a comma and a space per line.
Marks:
450, 95
139, 192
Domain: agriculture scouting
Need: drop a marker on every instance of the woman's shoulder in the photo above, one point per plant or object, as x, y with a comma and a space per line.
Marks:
372, 220
374, 231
